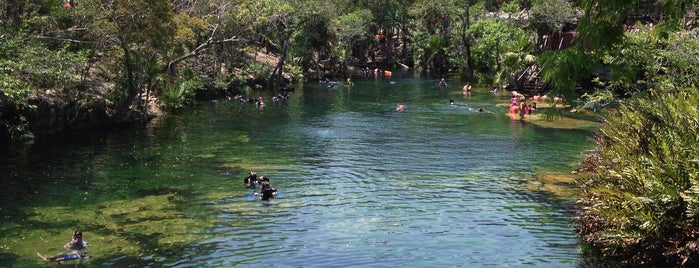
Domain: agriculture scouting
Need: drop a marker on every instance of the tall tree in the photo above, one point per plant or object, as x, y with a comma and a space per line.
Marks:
432, 37
494, 38
351, 31
142, 31
464, 13
190, 28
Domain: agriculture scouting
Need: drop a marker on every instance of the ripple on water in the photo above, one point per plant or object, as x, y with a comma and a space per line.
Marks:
364, 186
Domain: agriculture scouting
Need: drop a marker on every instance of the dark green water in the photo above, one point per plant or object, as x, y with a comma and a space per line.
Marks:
364, 185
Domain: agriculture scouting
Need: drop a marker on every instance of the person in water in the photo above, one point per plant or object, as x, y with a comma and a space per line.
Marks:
250, 180
467, 89
268, 192
400, 107
261, 180
442, 83
77, 242
76, 249
65, 257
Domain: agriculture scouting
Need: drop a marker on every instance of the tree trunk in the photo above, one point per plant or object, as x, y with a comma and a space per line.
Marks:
278, 73
124, 111
466, 39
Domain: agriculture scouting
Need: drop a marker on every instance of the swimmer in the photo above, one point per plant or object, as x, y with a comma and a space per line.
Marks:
400, 107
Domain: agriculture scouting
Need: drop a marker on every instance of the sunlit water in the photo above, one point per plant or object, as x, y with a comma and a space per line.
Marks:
437, 185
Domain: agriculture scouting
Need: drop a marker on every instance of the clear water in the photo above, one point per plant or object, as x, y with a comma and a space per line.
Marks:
364, 185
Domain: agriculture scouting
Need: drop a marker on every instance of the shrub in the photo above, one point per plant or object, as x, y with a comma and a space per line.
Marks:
179, 95
640, 196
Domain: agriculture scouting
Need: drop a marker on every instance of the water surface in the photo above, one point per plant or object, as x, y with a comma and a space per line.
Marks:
364, 185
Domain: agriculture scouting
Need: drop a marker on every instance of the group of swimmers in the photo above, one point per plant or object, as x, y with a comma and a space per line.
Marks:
279, 98
518, 102
518, 105
75, 249
267, 191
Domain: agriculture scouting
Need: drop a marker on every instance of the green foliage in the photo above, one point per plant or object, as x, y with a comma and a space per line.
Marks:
352, 27
258, 71
598, 100
547, 16
179, 95
565, 68
136, 34
312, 30
231, 81
494, 38
435, 43
293, 71
14, 92
27, 67
511, 7
350, 30
429, 15
640, 197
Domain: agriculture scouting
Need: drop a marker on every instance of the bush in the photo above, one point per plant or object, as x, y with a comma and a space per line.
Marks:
640, 195
179, 95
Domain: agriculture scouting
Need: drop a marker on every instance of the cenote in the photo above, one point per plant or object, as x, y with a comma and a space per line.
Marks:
436, 185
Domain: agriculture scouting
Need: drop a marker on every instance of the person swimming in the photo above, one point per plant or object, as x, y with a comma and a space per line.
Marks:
400, 107
77, 242
442, 84
65, 257
75, 250
268, 192
250, 180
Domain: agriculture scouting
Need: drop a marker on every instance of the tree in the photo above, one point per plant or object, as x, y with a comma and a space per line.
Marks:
41, 62
494, 38
351, 30
464, 33
433, 33
190, 28
141, 30
311, 38
549, 16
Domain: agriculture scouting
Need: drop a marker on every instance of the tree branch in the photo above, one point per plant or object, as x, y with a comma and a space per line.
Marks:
171, 65
209, 42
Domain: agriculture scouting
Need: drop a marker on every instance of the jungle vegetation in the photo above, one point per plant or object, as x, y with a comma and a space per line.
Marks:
72, 64
639, 201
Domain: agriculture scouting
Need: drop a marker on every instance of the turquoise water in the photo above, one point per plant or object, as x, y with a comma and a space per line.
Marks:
364, 185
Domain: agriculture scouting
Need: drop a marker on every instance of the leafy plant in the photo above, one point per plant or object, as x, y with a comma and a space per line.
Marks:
640, 193
179, 95
258, 71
